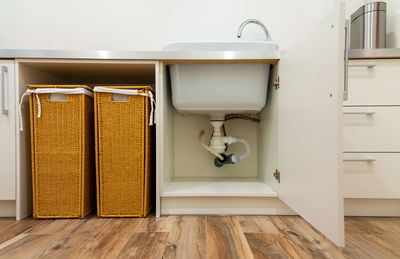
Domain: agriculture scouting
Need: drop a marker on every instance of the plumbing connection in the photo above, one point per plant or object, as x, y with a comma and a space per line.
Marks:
219, 143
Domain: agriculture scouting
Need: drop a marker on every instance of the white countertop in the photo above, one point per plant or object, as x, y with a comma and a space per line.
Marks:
178, 55
139, 55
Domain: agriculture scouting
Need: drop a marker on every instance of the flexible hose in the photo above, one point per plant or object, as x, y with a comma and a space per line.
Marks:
207, 147
246, 144
241, 116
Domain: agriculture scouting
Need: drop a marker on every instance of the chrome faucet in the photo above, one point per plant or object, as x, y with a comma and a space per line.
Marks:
239, 34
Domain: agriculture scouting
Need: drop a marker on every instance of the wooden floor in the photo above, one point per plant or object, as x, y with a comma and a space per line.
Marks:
195, 237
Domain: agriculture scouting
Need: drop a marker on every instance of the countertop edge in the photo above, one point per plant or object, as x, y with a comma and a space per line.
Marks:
389, 53
138, 55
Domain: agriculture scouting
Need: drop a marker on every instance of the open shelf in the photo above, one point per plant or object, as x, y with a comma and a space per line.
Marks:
59, 72
222, 187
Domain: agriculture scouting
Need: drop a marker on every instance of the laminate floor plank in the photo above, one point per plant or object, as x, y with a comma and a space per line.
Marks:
359, 225
270, 246
223, 241
153, 224
371, 246
110, 240
5, 221
11, 230
53, 226
187, 238
387, 225
195, 237
24, 245
390, 242
257, 224
67, 242
305, 239
149, 245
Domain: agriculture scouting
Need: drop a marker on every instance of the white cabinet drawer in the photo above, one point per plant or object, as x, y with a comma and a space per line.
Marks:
378, 85
7, 130
371, 129
371, 175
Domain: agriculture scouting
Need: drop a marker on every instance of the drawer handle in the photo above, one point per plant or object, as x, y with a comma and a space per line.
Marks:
346, 60
4, 70
359, 160
359, 113
364, 65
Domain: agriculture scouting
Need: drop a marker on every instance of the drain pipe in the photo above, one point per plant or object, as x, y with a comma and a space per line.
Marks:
212, 151
246, 144
218, 143
233, 159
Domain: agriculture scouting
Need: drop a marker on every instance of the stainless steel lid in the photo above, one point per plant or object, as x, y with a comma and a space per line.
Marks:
370, 7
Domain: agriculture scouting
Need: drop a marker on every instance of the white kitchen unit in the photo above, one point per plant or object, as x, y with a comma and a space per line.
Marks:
7, 139
371, 139
296, 163
296, 160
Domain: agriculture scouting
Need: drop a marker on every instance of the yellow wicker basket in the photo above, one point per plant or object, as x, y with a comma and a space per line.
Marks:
63, 166
124, 153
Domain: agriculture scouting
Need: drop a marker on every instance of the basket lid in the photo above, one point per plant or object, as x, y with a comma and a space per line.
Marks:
60, 86
139, 87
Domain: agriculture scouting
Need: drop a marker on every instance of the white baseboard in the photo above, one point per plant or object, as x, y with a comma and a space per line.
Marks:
372, 207
224, 206
269, 206
7, 209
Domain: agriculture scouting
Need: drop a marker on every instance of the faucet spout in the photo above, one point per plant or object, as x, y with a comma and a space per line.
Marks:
267, 35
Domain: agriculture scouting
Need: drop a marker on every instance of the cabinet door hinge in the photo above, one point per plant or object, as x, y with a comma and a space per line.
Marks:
277, 83
277, 175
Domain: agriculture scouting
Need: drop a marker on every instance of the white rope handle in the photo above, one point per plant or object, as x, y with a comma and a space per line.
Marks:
130, 92
38, 91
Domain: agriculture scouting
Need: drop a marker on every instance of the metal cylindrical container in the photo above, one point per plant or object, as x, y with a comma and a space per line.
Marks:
368, 27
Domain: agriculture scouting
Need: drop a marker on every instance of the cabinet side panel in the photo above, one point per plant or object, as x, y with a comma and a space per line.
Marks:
164, 133
268, 135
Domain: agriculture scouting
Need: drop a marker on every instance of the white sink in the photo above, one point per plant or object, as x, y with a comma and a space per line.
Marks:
221, 46
212, 88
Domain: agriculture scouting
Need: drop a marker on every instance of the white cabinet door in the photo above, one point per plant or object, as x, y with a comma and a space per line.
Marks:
309, 124
7, 130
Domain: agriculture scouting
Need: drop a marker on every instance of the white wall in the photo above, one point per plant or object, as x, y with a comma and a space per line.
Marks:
147, 24
393, 19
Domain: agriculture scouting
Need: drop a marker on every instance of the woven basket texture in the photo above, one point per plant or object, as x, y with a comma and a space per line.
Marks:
63, 166
124, 154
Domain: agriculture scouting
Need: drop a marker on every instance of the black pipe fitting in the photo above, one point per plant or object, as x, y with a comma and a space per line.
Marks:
228, 159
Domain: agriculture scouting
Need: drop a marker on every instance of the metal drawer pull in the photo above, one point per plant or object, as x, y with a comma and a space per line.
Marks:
364, 65
359, 113
346, 60
4, 111
359, 160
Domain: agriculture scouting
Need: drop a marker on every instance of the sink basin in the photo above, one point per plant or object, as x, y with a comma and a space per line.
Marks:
212, 88
221, 46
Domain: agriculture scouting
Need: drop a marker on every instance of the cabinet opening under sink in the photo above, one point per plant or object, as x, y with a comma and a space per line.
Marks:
189, 170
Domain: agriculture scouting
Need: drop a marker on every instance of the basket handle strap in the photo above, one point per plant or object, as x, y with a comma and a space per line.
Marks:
149, 94
20, 120
28, 92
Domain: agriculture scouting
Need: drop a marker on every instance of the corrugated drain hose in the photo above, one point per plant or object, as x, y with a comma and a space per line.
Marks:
246, 144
